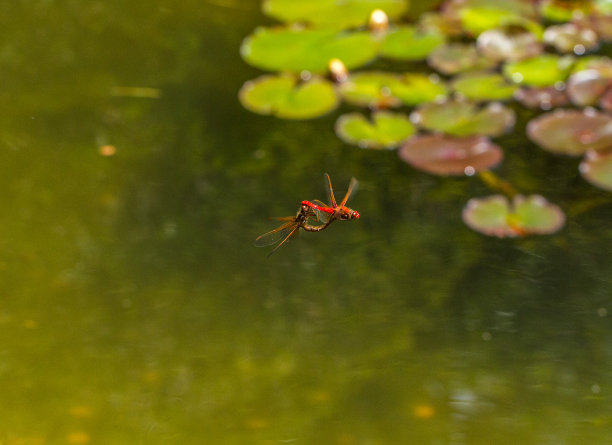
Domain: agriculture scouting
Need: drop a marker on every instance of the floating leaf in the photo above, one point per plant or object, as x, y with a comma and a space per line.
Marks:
386, 130
447, 155
570, 37
454, 58
508, 44
299, 49
564, 10
571, 132
346, 13
284, 97
483, 86
588, 86
496, 216
544, 98
378, 89
597, 169
463, 118
409, 43
477, 16
540, 71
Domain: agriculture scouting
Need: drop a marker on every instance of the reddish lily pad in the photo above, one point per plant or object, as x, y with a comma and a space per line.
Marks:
483, 86
496, 216
544, 98
463, 118
298, 49
447, 155
597, 169
410, 43
454, 58
571, 132
540, 71
508, 44
382, 90
386, 130
284, 97
571, 38
586, 87
344, 14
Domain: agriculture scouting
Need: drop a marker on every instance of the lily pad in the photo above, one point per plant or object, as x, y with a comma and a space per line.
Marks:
496, 216
409, 43
540, 71
587, 87
284, 97
544, 98
454, 58
508, 44
565, 10
386, 130
298, 49
477, 16
378, 89
483, 86
463, 118
571, 132
571, 38
597, 169
447, 155
343, 14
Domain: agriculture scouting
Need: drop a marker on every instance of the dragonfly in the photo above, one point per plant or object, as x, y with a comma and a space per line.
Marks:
329, 213
291, 228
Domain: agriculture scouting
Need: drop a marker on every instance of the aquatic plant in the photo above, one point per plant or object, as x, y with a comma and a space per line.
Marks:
446, 76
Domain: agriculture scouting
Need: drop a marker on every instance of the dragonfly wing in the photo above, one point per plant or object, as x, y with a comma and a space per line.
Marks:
321, 215
330, 191
351, 189
275, 235
292, 234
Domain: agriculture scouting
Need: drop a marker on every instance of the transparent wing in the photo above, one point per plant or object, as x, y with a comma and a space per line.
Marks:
277, 234
330, 191
352, 188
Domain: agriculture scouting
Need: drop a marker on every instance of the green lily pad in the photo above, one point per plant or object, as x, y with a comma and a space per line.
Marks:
597, 169
386, 130
483, 86
378, 89
564, 10
496, 216
298, 49
344, 14
477, 16
454, 58
571, 132
284, 97
540, 71
409, 43
463, 118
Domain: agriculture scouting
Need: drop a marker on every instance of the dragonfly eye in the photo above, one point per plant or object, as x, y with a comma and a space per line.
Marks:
355, 214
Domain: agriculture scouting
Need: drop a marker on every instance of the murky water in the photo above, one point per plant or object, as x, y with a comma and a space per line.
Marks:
135, 309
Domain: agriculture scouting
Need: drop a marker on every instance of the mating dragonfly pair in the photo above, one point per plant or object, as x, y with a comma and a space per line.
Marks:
312, 217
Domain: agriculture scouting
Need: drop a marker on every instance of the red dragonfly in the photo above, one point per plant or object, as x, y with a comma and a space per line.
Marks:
310, 212
328, 213
290, 229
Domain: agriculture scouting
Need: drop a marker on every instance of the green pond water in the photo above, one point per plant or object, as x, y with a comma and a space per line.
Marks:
135, 309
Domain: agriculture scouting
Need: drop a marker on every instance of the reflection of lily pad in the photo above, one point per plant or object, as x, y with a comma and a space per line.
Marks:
481, 86
544, 98
380, 90
540, 71
571, 132
408, 43
462, 118
447, 155
570, 37
597, 169
299, 49
454, 58
508, 44
343, 14
386, 130
496, 216
283, 97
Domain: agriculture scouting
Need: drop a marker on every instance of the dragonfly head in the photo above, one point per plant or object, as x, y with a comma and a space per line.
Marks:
348, 214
